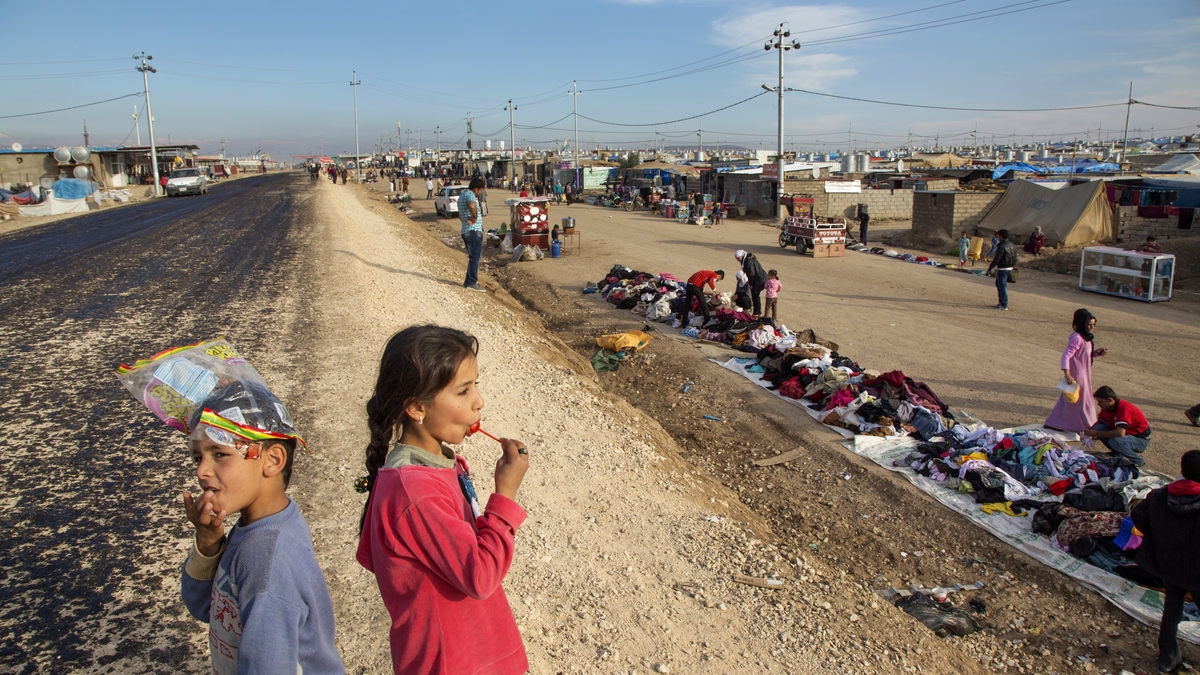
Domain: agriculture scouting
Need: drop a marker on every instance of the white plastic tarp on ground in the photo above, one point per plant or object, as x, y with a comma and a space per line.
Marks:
53, 206
1072, 216
1141, 603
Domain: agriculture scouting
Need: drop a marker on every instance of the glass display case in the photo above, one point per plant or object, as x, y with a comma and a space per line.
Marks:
1127, 274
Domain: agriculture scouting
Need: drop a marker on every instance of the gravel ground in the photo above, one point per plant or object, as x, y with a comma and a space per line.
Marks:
640, 519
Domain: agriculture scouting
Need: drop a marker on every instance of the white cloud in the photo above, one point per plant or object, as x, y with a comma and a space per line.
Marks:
738, 29
807, 68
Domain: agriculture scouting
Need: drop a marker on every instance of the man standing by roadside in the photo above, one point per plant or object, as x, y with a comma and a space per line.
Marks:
864, 219
1169, 520
471, 214
1003, 262
428, 188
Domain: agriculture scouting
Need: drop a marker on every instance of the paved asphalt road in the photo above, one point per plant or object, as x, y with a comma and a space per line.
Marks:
92, 531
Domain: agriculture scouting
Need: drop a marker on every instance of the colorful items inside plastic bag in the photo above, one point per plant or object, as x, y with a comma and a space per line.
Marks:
208, 384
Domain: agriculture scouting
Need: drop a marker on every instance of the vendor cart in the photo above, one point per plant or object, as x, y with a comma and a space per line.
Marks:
825, 236
530, 221
798, 205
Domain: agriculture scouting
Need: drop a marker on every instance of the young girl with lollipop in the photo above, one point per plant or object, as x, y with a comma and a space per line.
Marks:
438, 559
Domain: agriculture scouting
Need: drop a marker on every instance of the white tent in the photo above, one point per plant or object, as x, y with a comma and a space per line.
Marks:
1188, 164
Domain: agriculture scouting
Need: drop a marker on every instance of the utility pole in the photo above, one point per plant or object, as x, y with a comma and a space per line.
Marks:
512, 149
418, 145
700, 152
780, 33
470, 139
1125, 136
357, 162
137, 127
438, 132
145, 68
575, 114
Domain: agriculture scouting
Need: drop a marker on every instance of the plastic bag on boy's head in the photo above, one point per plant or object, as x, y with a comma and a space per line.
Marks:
175, 383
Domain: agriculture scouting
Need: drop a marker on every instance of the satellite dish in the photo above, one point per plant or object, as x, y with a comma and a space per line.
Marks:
47, 182
80, 154
17, 147
81, 172
816, 172
62, 155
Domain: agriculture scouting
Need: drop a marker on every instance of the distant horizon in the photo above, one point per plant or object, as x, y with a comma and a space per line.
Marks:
693, 66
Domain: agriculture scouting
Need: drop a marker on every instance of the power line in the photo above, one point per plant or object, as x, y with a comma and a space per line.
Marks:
1156, 105
720, 64
544, 126
660, 72
58, 76
230, 79
47, 112
936, 23
682, 119
878, 18
940, 107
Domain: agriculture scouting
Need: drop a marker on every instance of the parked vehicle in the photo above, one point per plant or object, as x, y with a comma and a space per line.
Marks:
446, 201
187, 182
805, 232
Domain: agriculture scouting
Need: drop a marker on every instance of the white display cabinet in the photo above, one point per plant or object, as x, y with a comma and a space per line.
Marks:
1127, 274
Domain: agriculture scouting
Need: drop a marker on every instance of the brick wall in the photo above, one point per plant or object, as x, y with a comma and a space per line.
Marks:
880, 204
949, 213
1133, 229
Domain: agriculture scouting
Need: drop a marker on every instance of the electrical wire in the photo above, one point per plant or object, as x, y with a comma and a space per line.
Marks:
721, 64
878, 18
58, 76
49, 63
230, 79
940, 107
544, 126
136, 117
74, 107
1171, 107
936, 23
682, 119
660, 72
268, 70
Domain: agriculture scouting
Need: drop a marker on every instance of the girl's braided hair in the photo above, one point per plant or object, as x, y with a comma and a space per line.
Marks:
418, 362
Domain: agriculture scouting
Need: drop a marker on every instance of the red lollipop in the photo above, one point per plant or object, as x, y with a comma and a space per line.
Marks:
475, 429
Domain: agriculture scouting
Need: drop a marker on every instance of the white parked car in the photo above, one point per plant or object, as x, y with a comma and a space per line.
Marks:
446, 201
187, 182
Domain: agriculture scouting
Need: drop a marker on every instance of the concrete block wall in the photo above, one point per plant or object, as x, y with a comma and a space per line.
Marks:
951, 212
880, 204
1133, 229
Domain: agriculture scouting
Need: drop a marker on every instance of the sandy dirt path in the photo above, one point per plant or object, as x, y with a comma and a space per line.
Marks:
626, 563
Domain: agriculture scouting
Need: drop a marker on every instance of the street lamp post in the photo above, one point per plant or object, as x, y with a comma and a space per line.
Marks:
783, 31
145, 68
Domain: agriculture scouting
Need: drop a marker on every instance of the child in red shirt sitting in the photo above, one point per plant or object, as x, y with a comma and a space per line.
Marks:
1121, 426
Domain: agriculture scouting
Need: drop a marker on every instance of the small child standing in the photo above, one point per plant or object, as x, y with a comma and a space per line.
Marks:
438, 559
964, 243
258, 587
773, 286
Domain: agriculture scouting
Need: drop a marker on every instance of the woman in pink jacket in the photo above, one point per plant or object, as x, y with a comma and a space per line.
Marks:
438, 559
1076, 364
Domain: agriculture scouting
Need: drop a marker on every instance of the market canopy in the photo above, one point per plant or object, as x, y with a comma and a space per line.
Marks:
1072, 216
1179, 164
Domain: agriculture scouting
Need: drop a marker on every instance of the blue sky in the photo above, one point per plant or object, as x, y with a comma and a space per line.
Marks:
276, 76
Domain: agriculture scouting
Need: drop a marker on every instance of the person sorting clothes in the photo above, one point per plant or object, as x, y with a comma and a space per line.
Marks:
1169, 520
1121, 426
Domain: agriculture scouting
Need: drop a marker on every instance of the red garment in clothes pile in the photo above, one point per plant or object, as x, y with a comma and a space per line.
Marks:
734, 315
792, 388
840, 397
917, 393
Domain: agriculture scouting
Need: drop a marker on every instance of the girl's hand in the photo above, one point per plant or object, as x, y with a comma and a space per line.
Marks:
1067, 377
511, 468
1101, 351
210, 524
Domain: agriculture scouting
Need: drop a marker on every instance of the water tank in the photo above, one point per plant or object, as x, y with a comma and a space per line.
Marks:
848, 164
1022, 155
80, 154
81, 172
863, 161
1106, 154
1007, 155
62, 155
825, 156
